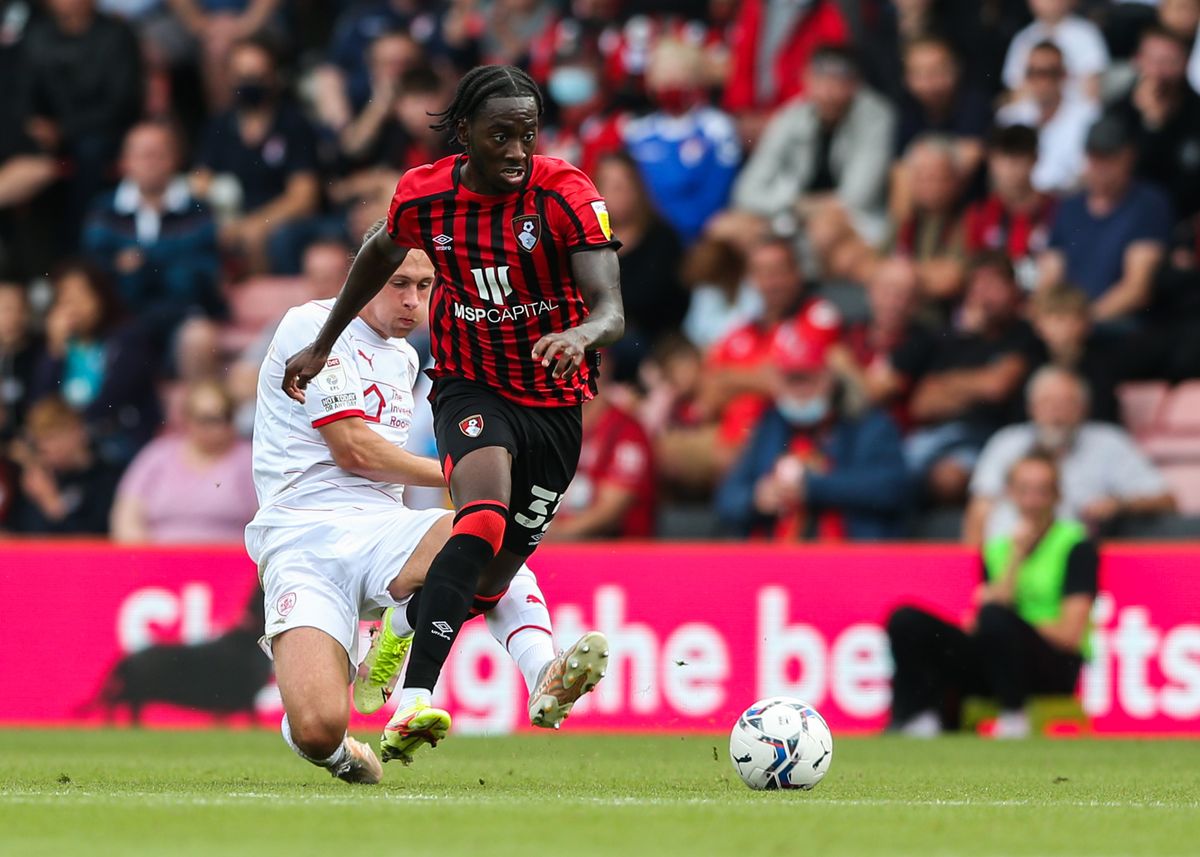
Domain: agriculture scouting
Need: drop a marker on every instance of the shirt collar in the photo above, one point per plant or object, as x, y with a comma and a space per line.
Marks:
128, 198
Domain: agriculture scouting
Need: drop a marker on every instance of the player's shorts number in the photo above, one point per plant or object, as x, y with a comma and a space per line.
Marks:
541, 511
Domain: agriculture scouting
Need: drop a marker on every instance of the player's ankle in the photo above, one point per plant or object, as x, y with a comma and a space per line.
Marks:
413, 695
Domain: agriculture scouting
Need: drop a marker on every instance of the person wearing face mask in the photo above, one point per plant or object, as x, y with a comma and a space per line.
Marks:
688, 151
1104, 474
267, 146
586, 128
815, 468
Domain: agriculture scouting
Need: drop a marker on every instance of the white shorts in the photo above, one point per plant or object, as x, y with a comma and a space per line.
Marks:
331, 574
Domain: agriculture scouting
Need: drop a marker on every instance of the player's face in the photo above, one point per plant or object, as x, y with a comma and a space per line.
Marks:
403, 304
500, 142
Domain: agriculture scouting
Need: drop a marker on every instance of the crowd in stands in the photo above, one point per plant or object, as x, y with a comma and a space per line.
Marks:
875, 252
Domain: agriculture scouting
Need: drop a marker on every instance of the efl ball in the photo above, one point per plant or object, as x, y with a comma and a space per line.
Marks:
781, 743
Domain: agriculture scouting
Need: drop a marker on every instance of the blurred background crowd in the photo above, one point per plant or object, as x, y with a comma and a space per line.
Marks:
875, 251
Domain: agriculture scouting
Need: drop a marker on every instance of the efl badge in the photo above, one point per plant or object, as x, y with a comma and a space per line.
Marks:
602, 218
527, 229
472, 426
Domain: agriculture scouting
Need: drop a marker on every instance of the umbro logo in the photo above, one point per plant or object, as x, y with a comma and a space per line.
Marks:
443, 629
442, 241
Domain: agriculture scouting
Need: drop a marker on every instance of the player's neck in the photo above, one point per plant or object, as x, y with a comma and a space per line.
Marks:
472, 183
365, 320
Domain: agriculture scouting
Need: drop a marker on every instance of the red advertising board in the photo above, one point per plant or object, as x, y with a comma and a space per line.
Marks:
697, 631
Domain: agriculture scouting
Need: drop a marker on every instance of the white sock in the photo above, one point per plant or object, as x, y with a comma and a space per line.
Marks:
333, 763
409, 695
521, 623
400, 626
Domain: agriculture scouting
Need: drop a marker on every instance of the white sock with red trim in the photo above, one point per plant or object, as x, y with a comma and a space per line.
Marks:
521, 623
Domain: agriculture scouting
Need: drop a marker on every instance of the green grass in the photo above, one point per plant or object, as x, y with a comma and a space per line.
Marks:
134, 793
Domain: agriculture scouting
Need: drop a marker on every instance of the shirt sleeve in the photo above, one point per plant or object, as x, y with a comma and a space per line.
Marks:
1154, 219
991, 471
336, 391
402, 219
577, 213
1083, 570
1132, 476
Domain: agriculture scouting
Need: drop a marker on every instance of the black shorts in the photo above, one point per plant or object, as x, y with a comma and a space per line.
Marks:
543, 442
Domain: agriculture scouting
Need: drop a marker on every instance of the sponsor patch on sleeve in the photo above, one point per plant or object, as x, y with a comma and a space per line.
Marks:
333, 378
601, 211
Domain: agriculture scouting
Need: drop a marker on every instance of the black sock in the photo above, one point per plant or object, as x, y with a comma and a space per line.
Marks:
446, 597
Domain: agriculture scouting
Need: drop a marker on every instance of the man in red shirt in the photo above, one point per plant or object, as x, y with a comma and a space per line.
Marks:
528, 288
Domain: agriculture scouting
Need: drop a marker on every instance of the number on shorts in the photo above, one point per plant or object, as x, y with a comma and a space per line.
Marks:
540, 511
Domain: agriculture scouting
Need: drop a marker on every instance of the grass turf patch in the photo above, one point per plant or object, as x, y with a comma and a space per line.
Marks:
134, 793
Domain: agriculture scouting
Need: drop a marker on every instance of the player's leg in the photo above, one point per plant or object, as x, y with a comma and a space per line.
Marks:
930, 656
311, 671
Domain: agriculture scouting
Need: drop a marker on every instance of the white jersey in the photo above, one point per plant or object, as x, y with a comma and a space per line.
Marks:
366, 376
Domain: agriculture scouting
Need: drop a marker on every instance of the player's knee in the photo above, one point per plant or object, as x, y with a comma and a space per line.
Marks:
485, 520
317, 733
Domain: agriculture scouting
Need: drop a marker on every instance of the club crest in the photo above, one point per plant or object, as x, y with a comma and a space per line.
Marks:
527, 229
472, 426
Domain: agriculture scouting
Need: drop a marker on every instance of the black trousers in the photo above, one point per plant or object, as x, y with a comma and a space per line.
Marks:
937, 664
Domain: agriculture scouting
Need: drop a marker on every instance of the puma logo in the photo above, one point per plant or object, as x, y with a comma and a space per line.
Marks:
370, 360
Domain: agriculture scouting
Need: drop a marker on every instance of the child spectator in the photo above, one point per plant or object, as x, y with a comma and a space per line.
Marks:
65, 487
1060, 317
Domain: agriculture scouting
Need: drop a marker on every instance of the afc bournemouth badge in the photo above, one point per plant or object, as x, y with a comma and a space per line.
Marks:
527, 229
472, 426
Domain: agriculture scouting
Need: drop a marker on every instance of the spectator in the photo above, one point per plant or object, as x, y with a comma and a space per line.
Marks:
1014, 218
392, 56
153, 237
66, 489
613, 494
826, 155
688, 152
218, 25
1060, 317
84, 85
1182, 19
928, 224
966, 381
1110, 238
193, 488
813, 468
1104, 475
588, 124
510, 28
19, 348
324, 269
862, 358
1060, 115
268, 147
772, 40
1163, 113
1030, 633
931, 230
1080, 41
342, 84
739, 382
671, 380
714, 269
99, 365
938, 101
650, 255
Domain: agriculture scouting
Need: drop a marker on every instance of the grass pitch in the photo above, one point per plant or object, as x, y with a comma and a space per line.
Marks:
132, 793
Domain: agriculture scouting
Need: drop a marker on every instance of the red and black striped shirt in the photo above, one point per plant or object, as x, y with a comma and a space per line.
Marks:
504, 272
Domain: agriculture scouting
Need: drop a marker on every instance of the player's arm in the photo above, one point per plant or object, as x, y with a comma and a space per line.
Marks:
357, 449
376, 261
598, 275
602, 518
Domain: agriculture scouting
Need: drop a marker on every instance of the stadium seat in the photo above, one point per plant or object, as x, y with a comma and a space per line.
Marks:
257, 303
1158, 528
1181, 411
1141, 403
1184, 480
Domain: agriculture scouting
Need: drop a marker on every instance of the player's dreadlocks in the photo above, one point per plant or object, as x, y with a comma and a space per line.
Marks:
482, 83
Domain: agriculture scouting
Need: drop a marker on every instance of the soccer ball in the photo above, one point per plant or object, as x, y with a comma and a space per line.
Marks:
781, 743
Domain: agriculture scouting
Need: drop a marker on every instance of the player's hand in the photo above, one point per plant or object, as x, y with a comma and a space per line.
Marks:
564, 351
303, 366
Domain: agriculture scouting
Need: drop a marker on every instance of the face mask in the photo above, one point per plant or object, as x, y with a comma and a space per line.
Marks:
675, 100
571, 87
251, 94
803, 412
